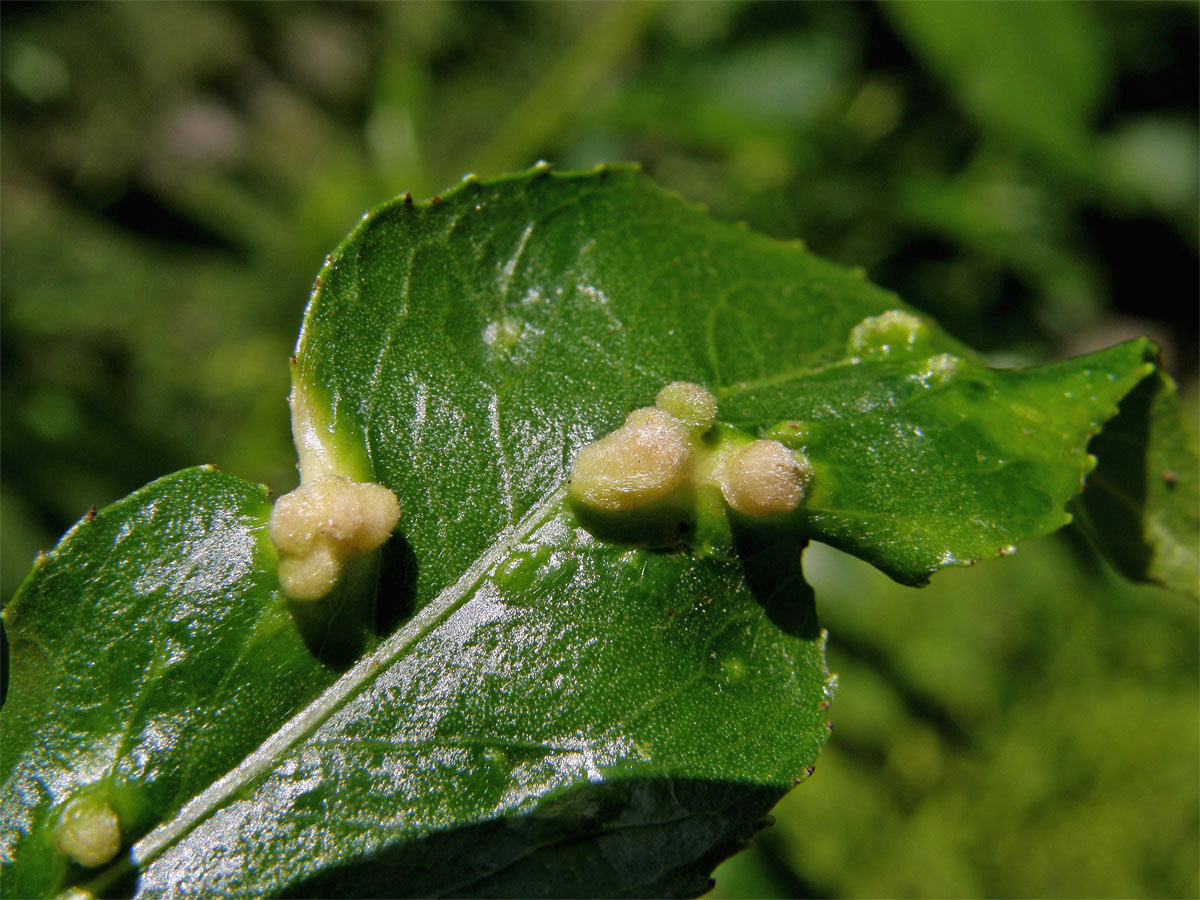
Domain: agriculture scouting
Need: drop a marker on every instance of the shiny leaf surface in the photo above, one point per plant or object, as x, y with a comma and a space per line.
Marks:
927, 463
471, 347
151, 651
550, 713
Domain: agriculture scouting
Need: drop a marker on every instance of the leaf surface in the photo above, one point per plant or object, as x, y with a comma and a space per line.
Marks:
470, 348
151, 651
926, 463
552, 714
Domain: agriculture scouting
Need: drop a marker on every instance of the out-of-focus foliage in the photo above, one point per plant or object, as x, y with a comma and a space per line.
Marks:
173, 173
1028, 729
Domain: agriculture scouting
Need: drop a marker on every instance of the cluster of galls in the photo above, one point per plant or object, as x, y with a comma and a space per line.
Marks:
322, 525
652, 469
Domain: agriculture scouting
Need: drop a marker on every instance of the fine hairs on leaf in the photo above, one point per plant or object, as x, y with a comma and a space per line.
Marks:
536, 622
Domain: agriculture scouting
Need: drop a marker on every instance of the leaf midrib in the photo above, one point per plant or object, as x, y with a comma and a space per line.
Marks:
342, 691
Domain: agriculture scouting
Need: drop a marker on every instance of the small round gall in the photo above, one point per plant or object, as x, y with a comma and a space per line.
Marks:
689, 403
892, 333
322, 525
310, 575
764, 479
642, 461
88, 832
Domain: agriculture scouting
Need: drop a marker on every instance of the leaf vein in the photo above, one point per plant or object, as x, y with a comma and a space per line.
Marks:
341, 692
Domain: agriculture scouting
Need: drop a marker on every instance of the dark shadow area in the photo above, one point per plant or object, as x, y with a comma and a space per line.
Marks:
374, 595
629, 837
397, 585
771, 555
774, 570
3, 664
144, 214
1113, 502
662, 526
1145, 244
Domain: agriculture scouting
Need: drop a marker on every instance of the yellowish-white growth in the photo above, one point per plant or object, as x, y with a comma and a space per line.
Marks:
689, 403
888, 334
88, 831
324, 524
642, 461
764, 478
662, 465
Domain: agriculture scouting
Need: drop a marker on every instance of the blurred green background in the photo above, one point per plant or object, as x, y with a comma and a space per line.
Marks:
173, 175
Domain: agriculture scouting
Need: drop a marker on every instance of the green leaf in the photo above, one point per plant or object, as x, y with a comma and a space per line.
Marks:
1142, 504
555, 714
471, 347
926, 463
566, 719
151, 651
